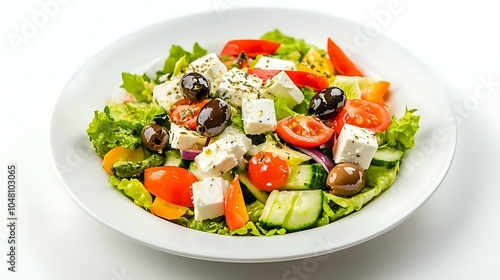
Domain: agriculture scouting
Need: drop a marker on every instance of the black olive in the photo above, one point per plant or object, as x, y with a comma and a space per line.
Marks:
346, 179
327, 103
195, 87
213, 118
154, 137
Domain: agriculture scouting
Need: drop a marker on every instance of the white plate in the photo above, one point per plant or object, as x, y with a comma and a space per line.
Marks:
413, 85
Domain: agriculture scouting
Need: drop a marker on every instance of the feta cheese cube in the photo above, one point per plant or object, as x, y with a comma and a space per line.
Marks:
355, 145
234, 141
224, 153
237, 85
209, 66
215, 160
185, 139
258, 116
275, 63
208, 198
282, 86
167, 94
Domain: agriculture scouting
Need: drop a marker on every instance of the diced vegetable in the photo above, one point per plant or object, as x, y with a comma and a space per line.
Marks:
251, 47
306, 211
292, 210
129, 169
387, 157
167, 210
259, 195
235, 210
121, 154
342, 64
326, 162
172, 158
293, 157
170, 183
305, 177
268, 171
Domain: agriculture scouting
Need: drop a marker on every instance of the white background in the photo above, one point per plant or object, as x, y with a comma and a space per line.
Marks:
455, 235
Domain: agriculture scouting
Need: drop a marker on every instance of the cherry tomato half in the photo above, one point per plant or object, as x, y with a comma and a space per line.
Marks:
362, 113
171, 184
268, 171
304, 131
183, 113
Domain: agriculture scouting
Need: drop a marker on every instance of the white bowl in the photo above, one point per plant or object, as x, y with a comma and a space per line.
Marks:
412, 85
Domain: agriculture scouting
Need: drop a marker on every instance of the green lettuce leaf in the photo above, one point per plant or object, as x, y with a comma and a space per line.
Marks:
179, 58
378, 179
140, 86
134, 189
121, 125
303, 107
282, 110
401, 133
291, 48
105, 134
134, 115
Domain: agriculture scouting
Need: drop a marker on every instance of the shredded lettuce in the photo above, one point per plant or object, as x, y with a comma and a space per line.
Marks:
134, 189
291, 48
401, 133
121, 125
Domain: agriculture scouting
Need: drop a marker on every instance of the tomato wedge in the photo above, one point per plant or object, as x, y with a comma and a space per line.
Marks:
171, 184
268, 171
251, 47
235, 210
304, 131
342, 64
183, 113
362, 113
299, 78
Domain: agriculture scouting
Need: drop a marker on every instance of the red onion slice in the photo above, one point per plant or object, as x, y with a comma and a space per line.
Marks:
319, 157
189, 154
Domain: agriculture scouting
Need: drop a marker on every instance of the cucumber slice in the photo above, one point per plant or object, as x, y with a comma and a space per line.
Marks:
261, 196
387, 157
280, 209
305, 177
292, 210
172, 158
306, 210
268, 206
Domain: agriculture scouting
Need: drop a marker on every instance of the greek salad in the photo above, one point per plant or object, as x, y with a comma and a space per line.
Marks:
267, 136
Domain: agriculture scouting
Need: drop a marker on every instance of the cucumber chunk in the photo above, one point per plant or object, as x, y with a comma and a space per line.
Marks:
305, 177
172, 158
387, 157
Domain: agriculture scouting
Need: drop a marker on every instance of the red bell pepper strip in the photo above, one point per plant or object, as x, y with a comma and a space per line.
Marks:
251, 47
342, 64
299, 78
